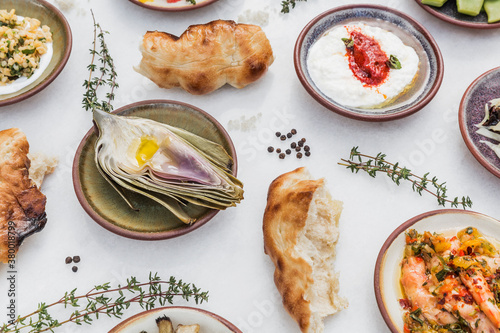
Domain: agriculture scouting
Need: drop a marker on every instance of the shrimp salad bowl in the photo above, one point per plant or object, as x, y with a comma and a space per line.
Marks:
440, 272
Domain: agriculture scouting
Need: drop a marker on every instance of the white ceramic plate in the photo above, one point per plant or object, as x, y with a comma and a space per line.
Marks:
387, 269
146, 321
163, 5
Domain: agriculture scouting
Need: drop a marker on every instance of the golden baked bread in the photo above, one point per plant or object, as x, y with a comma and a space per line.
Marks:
300, 234
22, 205
206, 56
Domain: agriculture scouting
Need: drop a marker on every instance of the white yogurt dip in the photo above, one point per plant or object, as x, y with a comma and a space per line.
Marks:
328, 65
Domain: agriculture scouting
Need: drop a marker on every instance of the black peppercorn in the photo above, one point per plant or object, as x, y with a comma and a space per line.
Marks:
278, 134
288, 151
76, 259
300, 143
293, 131
74, 269
289, 135
303, 139
293, 145
307, 148
297, 148
270, 149
278, 150
282, 156
299, 155
308, 153
69, 260
283, 137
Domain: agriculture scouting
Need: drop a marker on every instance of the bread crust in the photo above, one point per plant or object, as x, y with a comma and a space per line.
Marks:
288, 202
206, 56
21, 202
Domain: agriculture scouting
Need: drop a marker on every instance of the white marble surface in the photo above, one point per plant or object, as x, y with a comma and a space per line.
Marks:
226, 256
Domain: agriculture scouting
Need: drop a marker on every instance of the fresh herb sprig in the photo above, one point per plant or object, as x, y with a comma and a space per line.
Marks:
107, 73
287, 4
193, 2
373, 165
108, 301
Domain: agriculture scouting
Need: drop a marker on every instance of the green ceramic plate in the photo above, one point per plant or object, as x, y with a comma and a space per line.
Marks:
62, 43
152, 221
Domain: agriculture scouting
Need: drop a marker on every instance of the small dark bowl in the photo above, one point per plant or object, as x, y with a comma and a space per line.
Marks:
449, 13
388, 289
471, 112
412, 33
62, 43
162, 5
152, 221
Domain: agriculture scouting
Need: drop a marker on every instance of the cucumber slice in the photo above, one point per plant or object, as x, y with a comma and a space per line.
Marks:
492, 8
435, 3
470, 7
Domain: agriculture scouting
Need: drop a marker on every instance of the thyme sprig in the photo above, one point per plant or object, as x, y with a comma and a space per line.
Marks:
108, 301
106, 73
373, 165
287, 4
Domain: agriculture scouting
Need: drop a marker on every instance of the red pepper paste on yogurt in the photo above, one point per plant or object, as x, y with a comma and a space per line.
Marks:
367, 61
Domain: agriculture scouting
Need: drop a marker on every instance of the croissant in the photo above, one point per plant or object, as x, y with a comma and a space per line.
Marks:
206, 57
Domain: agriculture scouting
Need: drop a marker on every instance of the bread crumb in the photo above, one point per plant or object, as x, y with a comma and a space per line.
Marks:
244, 124
41, 165
257, 17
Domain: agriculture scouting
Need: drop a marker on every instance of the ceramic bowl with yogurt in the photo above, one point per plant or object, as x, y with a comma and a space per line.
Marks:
419, 79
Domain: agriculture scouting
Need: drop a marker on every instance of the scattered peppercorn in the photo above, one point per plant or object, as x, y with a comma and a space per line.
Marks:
288, 151
299, 155
297, 148
76, 259
69, 260
278, 134
270, 149
289, 135
303, 139
293, 131
283, 137
74, 269
293, 145
307, 148
278, 150
308, 153
300, 143
282, 156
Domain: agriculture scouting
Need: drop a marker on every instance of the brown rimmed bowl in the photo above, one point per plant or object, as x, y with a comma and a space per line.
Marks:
62, 44
152, 221
388, 290
412, 33
471, 112
182, 5
449, 13
145, 321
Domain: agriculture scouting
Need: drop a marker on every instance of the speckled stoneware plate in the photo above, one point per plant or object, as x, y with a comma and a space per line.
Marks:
146, 321
388, 290
62, 43
449, 13
163, 5
471, 112
152, 221
426, 83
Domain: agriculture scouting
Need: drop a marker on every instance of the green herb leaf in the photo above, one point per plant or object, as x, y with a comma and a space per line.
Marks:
28, 51
349, 43
393, 62
374, 165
